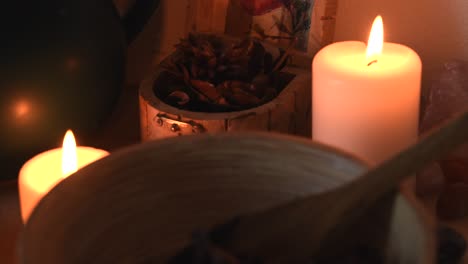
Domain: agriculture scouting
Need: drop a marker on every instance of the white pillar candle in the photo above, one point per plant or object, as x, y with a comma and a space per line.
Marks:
366, 100
41, 173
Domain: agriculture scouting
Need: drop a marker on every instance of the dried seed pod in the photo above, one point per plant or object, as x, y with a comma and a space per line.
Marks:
236, 92
243, 99
178, 97
206, 89
205, 62
222, 101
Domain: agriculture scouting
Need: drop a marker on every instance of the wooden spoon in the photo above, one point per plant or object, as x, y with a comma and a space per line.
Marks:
295, 231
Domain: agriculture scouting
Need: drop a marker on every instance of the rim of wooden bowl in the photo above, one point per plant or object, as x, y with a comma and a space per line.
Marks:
287, 141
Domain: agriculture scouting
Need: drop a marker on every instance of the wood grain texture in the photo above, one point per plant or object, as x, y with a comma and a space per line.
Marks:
140, 205
288, 113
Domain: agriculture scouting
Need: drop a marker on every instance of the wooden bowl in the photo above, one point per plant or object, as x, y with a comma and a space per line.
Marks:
141, 204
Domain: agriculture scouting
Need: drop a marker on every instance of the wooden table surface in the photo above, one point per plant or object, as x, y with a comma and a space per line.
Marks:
10, 221
122, 130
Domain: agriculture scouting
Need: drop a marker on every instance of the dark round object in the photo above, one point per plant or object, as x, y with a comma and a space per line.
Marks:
160, 122
175, 128
451, 246
62, 67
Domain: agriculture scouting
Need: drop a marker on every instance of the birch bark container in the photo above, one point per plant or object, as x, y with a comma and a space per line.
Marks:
289, 112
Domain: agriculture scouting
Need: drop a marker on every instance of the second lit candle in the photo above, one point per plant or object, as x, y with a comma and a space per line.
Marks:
365, 100
41, 173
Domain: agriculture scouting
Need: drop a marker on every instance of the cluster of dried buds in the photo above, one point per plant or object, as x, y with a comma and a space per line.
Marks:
234, 75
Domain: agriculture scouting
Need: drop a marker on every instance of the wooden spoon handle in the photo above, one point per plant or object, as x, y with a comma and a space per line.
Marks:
295, 231
432, 146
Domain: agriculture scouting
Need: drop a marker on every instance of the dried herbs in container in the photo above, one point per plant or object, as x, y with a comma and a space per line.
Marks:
210, 73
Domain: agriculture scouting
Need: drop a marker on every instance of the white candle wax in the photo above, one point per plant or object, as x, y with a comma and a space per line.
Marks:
370, 110
41, 173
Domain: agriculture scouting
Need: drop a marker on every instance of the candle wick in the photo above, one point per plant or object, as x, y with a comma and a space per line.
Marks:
372, 62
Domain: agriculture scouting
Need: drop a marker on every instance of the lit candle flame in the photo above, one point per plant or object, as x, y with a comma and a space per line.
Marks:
69, 156
376, 41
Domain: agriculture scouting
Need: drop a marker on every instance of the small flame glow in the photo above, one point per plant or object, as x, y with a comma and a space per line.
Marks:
376, 40
21, 109
69, 156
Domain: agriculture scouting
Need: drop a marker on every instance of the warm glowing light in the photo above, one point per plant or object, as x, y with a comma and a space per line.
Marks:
21, 109
376, 40
69, 156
